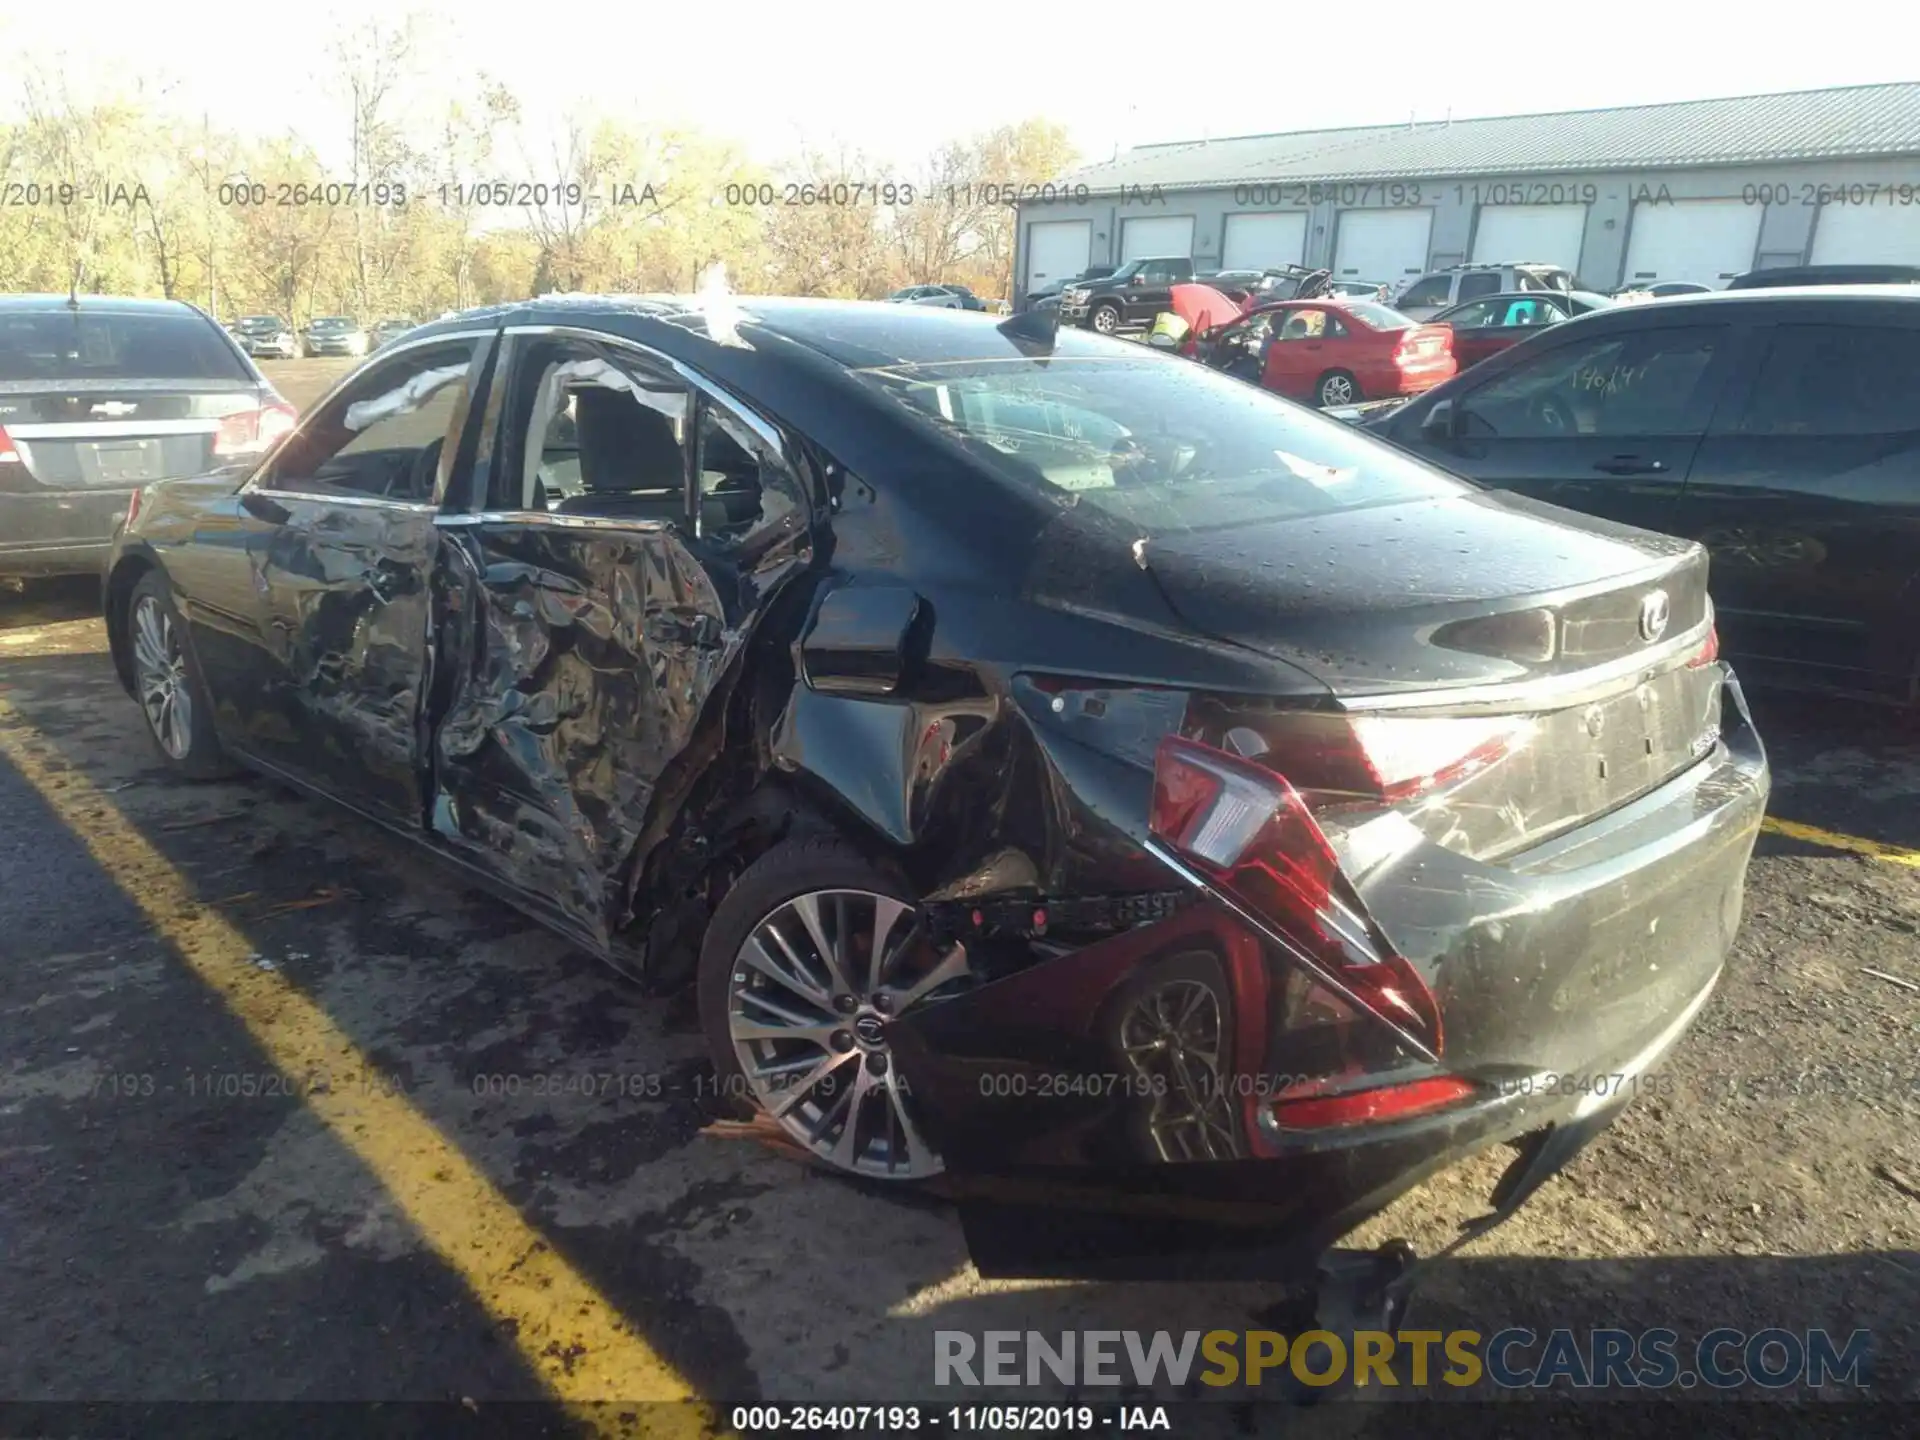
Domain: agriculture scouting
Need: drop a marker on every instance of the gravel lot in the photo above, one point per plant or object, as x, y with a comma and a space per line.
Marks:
168, 1239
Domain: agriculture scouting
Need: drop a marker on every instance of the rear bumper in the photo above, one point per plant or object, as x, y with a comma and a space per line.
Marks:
1564, 975
59, 532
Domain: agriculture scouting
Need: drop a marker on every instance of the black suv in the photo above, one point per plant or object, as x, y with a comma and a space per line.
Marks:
1775, 426
1132, 295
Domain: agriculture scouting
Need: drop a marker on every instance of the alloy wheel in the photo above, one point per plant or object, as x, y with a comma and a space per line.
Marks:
160, 674
1336, 390
1106, 320
813, 993
1174, 1039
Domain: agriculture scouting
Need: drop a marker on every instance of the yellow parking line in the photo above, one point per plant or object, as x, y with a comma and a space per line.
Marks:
1834, 840
568, 1333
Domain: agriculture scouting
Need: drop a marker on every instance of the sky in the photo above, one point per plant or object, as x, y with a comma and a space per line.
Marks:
893, 81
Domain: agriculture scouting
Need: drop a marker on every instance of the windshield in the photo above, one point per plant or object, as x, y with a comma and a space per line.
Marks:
257, 322
1126, 271
64, 345
1380, 317
333, 322
1158, 443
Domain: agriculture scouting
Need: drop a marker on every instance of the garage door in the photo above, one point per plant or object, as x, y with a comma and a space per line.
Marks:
1705, 241
1505, 234
1254, 242
1383, 245
1148, 239
1057, 250
1867, 235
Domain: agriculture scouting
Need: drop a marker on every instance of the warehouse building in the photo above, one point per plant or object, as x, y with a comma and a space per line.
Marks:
1701, 191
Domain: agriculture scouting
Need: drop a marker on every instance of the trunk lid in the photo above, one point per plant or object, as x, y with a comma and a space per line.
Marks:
1454, 591
1535, 659
118, 434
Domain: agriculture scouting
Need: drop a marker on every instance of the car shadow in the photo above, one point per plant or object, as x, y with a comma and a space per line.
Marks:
50, 602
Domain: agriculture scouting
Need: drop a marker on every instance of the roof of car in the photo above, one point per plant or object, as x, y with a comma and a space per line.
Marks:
99, 304
1779, 295
855, 334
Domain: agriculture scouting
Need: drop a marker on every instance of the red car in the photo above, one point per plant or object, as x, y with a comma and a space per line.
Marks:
1332, 352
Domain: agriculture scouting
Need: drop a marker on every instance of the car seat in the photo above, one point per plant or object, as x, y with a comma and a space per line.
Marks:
631, 463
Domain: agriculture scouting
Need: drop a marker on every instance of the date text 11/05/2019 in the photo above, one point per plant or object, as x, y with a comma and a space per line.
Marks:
960, 1419
767, 194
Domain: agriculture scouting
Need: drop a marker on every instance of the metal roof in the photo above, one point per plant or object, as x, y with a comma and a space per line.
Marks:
1857, 121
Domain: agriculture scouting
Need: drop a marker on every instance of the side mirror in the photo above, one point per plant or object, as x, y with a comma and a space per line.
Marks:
1137, 280
263, 507
1439, 423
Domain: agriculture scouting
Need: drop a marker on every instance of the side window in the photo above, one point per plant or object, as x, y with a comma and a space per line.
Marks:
1476, 316
1643, 383
745, 488
595, 433
1305, 325
1476, 283
1834, 380
384, 437
1434, 290
1335, 330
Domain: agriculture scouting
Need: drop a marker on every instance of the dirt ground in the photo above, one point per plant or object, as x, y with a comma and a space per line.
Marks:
169, 1237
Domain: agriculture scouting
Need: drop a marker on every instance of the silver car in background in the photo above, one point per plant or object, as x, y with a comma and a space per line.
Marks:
335, 335
266, 335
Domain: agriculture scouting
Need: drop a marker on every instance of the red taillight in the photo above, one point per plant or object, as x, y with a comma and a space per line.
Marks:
1379, 1105
133, 508
8, 455
1709, 651
1423, 343
249, 432
1246, 828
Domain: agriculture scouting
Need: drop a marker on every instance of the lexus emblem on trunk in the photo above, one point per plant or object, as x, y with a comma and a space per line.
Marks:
1653, 615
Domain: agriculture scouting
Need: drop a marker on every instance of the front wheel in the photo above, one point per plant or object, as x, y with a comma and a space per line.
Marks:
1337, 387
1105, 318
167, 683
811, 958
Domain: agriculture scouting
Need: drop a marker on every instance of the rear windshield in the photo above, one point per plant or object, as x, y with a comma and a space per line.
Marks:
69, 345
1160, 443
1380, 317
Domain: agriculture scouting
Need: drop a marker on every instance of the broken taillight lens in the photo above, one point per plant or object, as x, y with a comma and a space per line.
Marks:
1245, 827
251, 432
1708, 652
8, 455
1382, 1104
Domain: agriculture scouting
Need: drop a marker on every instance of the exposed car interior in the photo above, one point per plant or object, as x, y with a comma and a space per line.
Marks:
613, 444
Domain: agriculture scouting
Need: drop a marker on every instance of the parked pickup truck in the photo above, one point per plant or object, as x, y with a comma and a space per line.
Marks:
1132, 295
1142, 290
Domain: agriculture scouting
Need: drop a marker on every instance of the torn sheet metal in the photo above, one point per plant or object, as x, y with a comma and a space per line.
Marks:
593, 653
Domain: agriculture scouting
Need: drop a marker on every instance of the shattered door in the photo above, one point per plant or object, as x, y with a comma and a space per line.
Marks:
581, 636
589, 648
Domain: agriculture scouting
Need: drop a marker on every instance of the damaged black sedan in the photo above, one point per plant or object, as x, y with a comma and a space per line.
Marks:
1177, 818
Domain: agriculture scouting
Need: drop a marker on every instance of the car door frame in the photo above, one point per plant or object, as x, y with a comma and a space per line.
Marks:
1887, 649
403, 532
676, 624
1669, 488
1296, 307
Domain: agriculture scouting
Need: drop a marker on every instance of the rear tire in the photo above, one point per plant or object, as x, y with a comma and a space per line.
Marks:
1337, 387
167, 685
797, 931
